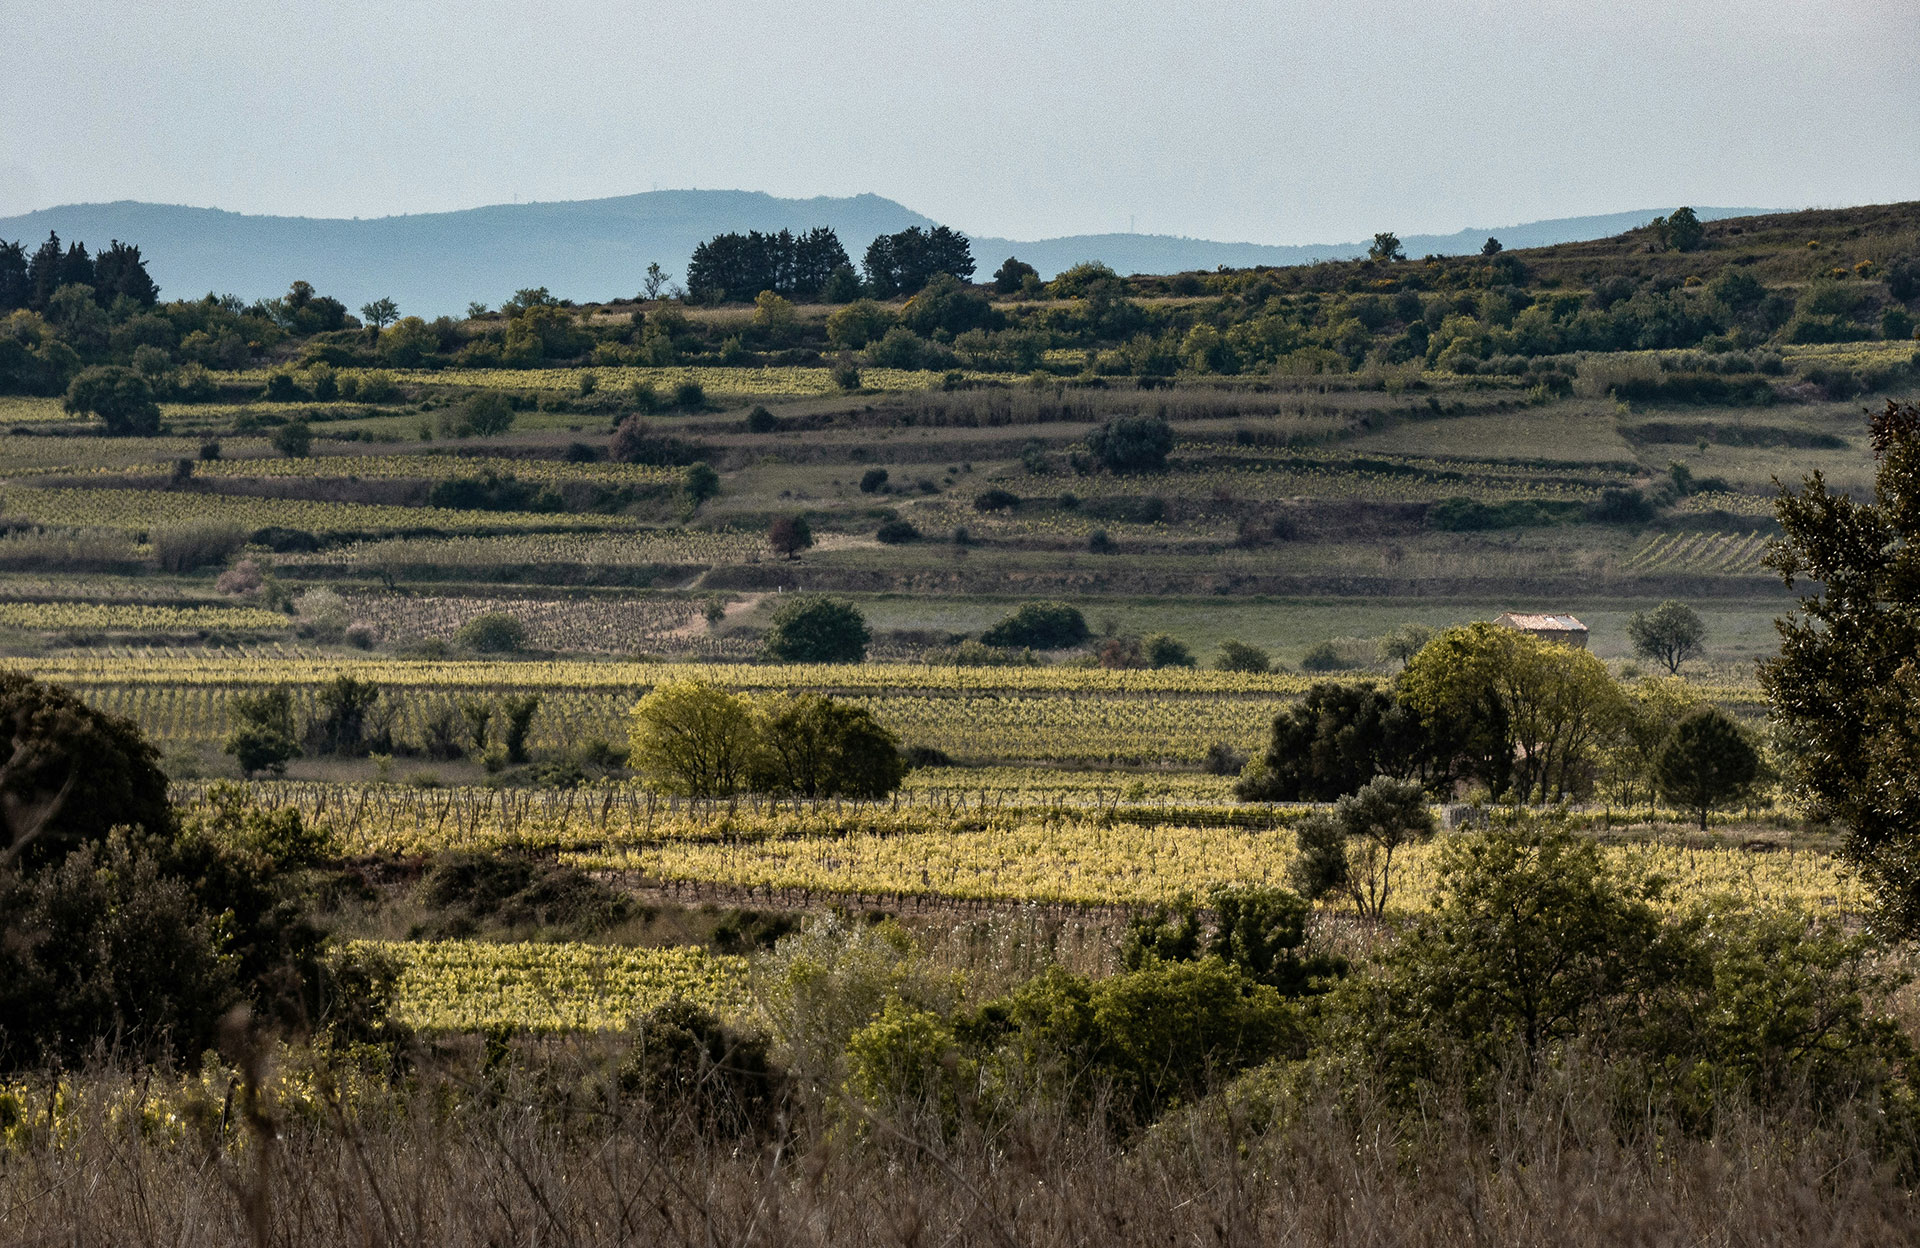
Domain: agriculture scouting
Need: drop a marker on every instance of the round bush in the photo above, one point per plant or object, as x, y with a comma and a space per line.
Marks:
897, 532
1039, 626
818, 630
493, 633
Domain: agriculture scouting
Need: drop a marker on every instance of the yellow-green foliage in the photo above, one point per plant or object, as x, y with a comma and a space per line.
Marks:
458, 985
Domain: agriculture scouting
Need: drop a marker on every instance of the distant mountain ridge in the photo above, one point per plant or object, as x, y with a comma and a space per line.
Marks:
434, 263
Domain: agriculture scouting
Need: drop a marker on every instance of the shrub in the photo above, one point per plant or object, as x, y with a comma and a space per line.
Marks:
845, 374
263, 736
1237, 656
760, 420
1132, 444
694, 1073
995, 499
321, 613
636, 441
809, 629
1324, 657
699, 482
1166, 650
293, 439
487, 414
196, 544
872, 479
1223, 759
1039, 626
690, 395
495, 632
1099, 543
346, 707
519, 891
897, 532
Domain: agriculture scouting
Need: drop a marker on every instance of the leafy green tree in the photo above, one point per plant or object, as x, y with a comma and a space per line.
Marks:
689, 737
1260, 931
263, 736
1320, 866
1404, 642
1382, 818
1491, 247
347, 705
1846, 681
1670, 634
816, 747
119, 396
379, 314
1386, 247
809, 629
516, 716
1516, 710
1039, 626
1682, 231
1132, 444
1707, 762
1237, 656
789, 535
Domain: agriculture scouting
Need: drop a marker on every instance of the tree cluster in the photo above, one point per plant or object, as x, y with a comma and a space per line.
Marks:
740, 266
692, 738
900, 264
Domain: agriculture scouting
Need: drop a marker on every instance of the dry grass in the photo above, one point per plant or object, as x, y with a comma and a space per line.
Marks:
529, 1158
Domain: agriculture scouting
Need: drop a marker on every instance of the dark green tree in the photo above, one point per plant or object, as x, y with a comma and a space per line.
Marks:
816, 747
293, 439
1330, 743
1706, 763
1670, 634
809, 629
1012, 275
119, 396
119, 272
1132, 444
15, 289
1039, 626
70, 773
1846, 683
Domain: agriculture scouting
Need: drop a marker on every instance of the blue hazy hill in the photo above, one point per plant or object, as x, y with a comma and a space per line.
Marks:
433, 263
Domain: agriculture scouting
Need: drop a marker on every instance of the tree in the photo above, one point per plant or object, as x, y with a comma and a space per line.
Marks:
1385, 815
689, 737
900, 264
69, 774
1491, 247
1386, 247
1237, 656
807, 629
1012, 275
263, 737
1671, 634
699, 482
346, 704
656, 281
1846, 683
1132, 444
119, 272
1682, 231
293, 439
119, 396
1330, 743
816, 747
1512, 710
789, 535
15, 287
379, 314
1320, 867
487, 414
1039, 626
1404, 642
516, 714
1707, 762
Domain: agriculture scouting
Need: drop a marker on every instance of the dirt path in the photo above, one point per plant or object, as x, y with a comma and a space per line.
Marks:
697, 625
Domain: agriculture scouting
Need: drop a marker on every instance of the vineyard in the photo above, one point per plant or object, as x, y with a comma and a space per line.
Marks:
772, 383
141, 510
94, 617
590, 626
452, 986
1731, 553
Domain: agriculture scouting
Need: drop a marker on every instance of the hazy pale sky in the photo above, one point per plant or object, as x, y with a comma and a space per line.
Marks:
1277, 122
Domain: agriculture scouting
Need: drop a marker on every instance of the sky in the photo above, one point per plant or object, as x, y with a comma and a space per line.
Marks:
1273, 123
